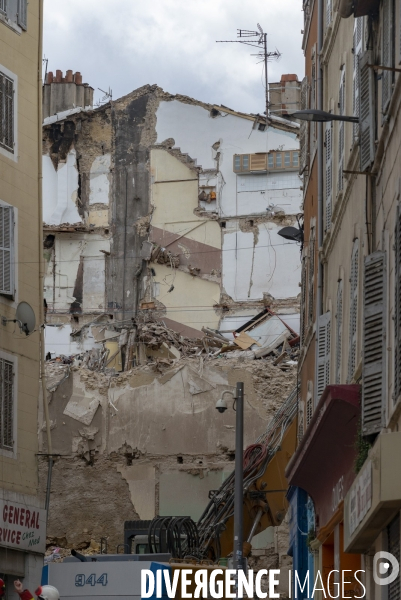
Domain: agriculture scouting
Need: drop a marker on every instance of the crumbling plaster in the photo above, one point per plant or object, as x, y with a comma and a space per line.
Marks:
148, 429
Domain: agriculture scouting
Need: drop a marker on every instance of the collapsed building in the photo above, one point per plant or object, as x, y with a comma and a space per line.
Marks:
159, 202
166, 280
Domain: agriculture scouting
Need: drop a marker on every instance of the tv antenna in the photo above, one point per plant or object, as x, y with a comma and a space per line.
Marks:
256, 39
108, 95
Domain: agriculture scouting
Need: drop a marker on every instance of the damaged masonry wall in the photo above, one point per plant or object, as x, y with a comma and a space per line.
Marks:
159, 168
149, 442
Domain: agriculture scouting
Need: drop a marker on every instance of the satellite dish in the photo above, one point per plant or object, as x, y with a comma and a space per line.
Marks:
25, 318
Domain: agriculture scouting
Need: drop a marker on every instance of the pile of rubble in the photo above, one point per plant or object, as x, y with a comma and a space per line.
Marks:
151, 342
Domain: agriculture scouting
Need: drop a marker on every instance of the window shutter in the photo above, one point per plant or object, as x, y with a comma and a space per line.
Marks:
339, 331
341, 132
397, 308
6, 112
6, 250
358, 44
303, 301
329, 10
366, 110
374, 342
311, 287
328, 142
303, 130
323, 367
353, 323
23, 14
387, 52
258, 162
7, 404
3, 6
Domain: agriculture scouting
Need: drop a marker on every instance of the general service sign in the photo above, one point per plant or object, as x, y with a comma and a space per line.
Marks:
22, 527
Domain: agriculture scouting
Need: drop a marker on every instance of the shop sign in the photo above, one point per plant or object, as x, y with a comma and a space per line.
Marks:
22, 527
360, 496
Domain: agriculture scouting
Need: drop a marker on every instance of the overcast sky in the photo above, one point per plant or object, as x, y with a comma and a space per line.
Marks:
124, 44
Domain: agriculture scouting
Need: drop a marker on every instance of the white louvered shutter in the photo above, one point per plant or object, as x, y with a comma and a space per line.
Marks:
323, 367
353, 317
303, 130
6, 404
387, 52
311, 286
328, 142
358, 45
329, 12
6, 250
366, 110
374, 343
339, 331
397, 308
23, 14
341, 141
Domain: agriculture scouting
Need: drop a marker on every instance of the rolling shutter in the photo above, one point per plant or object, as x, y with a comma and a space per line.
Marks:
374, 343
341, 140
258, 162
358, 37
328, 142
303, 130
323, 367
339, 331
6, 250
387, 53
366, 110
6, 404
23, 14
353, 317
397, 308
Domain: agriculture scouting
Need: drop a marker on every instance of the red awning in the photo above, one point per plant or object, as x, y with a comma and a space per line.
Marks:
323, 464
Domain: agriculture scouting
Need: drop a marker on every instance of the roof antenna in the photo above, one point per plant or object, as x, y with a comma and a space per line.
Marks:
263, 54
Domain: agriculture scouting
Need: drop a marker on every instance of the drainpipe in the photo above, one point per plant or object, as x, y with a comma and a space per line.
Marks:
320, 225
42, 351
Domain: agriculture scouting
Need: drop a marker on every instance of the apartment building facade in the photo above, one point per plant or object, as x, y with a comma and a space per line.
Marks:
22, 517
351, 435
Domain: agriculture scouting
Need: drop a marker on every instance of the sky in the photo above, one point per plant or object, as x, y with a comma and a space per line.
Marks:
124, 44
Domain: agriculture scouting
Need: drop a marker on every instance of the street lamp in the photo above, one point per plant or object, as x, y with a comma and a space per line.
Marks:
319, 116
221, 406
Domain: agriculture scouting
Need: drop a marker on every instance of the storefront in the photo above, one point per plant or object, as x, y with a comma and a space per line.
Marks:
22, 540
323, 466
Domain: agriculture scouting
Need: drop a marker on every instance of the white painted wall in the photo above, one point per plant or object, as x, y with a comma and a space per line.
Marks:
273, 266
60, 189
99, 180
58, 341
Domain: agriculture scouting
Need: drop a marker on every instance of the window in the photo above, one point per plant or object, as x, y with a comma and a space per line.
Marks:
278, 159
309, 409
304, 128
303, 301
324, 343
374, 343
366, 110
329, 10
3, 6
397, 308
339, 330
6, 404
6, 250
287, 159
353, 317
245, 162
341, 144
6, 112
295, 159
237, 163
270, 160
